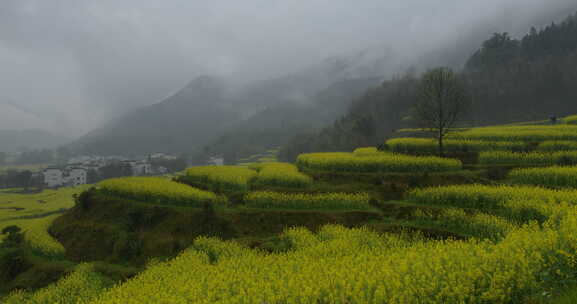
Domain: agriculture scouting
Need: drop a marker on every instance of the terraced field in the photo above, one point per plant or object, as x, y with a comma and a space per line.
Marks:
471, 240
35, 212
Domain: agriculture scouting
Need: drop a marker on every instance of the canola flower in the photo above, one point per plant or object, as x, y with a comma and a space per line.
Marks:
485, 197
80, 286
528, 159
378, 163
519, 204
557, 145
431, 146
340, 265
506, 262
36, 234
327, 201
38, 203
158, 190
556, 177
220, 178
480, 225
519, 133
281, 175
366, 151
572, 120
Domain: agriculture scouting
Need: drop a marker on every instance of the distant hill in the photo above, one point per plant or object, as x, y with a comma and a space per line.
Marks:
206, 111
33, 139
179, 123
303, 86
277, 124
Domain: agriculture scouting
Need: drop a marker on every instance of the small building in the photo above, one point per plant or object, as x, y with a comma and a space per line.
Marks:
216, 161
76, 177
53, 177
141, 168
161, 170
162, 156
138, 168
71, 176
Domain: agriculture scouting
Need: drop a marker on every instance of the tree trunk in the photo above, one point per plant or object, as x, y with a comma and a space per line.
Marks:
441, 148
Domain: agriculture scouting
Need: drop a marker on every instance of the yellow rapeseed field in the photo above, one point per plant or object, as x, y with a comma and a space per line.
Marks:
36, 234
328, 201
528, 159
221, 178
341, 265
557, 145
338, 266
430, 145
572, 120
281, 175
34, 213
561, 177
381, 162
366, 151
519, 133
158, 190
80, 286
480, 225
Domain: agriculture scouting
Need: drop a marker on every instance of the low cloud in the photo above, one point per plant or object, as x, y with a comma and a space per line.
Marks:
76, 63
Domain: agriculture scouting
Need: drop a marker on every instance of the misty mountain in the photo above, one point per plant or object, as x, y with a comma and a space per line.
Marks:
522, 79
33, 139
179, 123
202, 112
303, 86
276, 124
269, 112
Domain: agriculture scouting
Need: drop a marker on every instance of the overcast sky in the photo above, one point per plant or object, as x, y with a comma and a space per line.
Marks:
68, 65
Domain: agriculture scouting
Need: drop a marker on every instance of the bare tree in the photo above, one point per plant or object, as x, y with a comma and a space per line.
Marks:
441, 100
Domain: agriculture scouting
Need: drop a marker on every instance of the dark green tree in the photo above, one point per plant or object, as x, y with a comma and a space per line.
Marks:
24, 179
14, 237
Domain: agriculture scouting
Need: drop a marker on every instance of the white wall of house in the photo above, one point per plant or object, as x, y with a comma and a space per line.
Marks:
71, 177
141, 169
77, 177
53, 177
216, 161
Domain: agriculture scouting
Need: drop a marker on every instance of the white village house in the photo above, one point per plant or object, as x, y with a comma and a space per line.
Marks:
77, 174
139, 168
216, 161
56, 177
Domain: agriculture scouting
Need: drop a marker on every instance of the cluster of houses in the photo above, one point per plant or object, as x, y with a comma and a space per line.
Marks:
76, 171
60, 177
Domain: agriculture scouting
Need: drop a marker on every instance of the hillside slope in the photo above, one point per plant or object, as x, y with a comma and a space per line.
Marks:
509, 79
276, 124
190, 117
